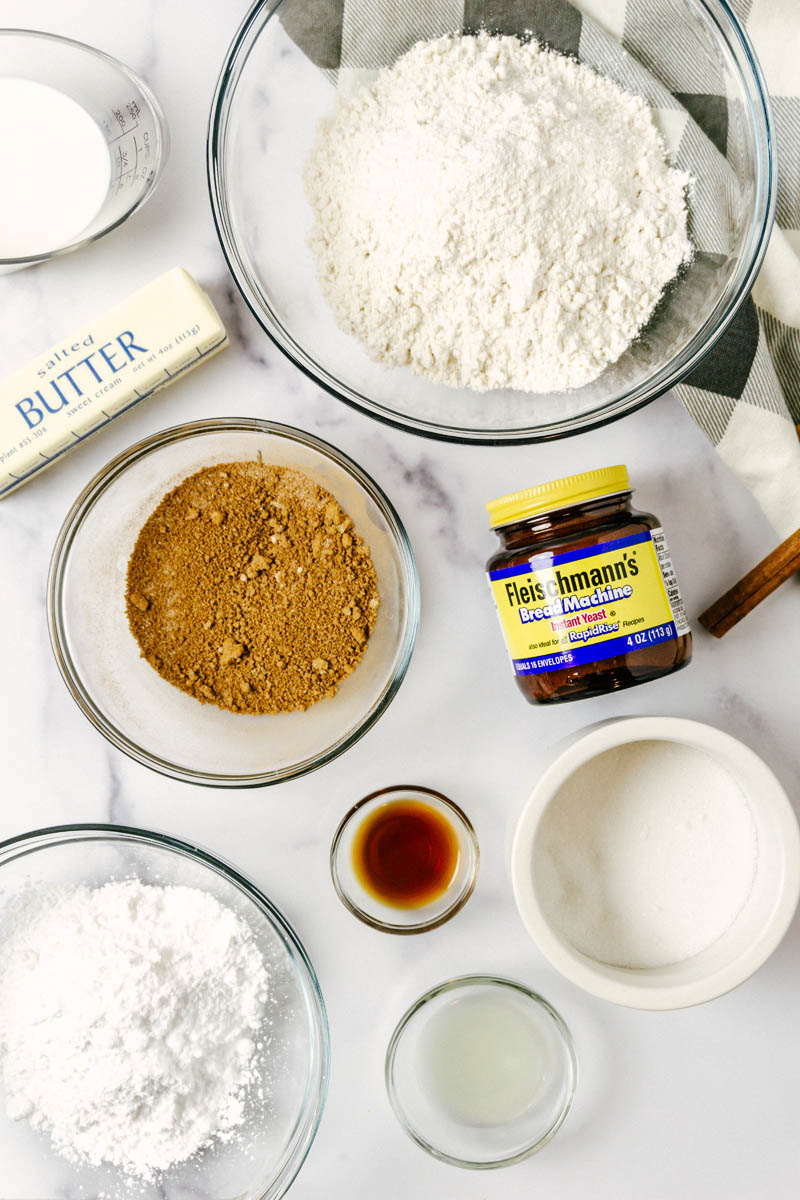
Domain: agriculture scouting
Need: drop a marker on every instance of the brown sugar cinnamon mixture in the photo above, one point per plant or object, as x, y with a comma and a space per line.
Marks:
250, 589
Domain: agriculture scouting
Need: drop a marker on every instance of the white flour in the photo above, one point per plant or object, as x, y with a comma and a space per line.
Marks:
129, 1018
646, 855
492, 214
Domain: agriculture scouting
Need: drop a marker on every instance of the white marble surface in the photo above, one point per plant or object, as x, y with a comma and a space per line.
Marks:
674, 1106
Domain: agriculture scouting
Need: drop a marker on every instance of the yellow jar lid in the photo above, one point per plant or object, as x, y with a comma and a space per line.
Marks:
560, 493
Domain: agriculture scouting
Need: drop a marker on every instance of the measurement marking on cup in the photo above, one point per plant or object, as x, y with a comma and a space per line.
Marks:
123, 132
124, 166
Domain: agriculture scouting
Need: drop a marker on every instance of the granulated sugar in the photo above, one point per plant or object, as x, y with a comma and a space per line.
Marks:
129, 1022
493, 214
646, 855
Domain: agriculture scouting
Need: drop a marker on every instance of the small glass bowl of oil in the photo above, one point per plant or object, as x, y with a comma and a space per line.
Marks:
481, 1072
404, 859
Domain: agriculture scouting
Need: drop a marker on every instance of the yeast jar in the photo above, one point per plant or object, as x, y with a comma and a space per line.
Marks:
584, 589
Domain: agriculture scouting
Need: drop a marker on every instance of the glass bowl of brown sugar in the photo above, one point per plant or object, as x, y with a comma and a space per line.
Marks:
233, 602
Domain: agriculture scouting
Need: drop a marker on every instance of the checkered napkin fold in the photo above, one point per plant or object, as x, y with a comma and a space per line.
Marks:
745, 394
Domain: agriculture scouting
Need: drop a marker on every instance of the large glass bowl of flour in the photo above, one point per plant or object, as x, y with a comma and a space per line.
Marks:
284, 1103
689, 59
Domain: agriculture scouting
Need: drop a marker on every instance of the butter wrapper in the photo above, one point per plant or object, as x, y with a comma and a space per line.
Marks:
155, 336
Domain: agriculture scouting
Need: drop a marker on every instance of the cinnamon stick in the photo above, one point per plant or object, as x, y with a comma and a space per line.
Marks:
743, 597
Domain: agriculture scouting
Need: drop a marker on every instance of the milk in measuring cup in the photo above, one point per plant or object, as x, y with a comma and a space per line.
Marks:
55, 168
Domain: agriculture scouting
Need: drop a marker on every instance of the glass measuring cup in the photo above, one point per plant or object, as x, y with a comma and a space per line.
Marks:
124, 108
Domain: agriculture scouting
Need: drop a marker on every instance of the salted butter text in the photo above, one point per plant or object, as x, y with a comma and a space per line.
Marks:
63, 389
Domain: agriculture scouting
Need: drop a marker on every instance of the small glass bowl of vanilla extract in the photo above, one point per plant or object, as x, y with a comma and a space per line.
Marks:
404, 859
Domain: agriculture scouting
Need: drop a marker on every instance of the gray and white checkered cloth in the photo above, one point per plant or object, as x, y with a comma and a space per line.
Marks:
745, 394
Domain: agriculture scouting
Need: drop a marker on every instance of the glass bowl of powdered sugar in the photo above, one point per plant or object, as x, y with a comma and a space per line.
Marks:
162, 1031
493, 238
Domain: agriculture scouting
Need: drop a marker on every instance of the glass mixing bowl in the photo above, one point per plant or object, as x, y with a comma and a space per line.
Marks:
276, 1136
526, 1060
269, 100
380, 914
128, 701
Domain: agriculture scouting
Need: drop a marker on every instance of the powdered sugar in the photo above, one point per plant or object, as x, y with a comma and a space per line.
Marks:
493, 214
129, 1021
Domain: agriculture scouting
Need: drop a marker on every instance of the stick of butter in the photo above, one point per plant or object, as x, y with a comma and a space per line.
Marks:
156, 335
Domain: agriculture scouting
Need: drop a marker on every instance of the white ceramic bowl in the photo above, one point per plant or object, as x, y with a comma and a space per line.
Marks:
759, 926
